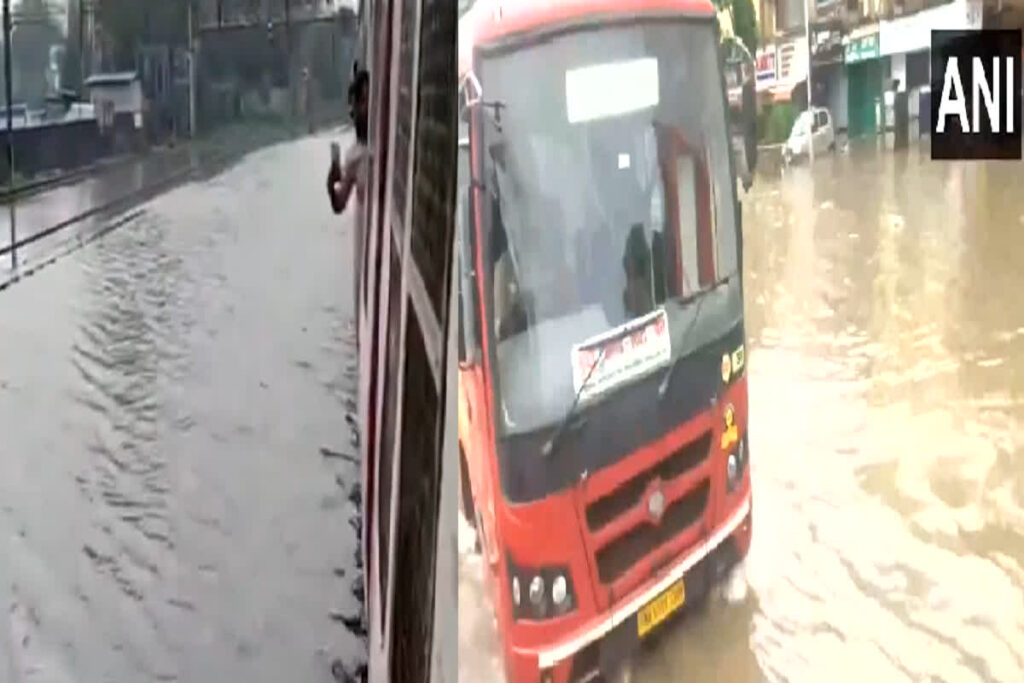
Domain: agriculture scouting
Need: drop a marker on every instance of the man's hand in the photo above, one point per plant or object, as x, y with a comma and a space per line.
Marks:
333, 181
338, 188
341, 179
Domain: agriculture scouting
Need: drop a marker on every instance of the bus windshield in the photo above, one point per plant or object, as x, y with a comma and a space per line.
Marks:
609, 198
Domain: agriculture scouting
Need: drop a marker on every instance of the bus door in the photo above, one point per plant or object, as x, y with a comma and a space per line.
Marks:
690, 237
474, 432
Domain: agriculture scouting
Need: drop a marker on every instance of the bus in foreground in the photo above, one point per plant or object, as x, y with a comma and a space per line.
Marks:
602, 417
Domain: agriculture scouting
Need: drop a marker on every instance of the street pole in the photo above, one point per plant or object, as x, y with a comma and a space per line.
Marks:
288, 54
8, 96
810, 90
191, 75
81, 45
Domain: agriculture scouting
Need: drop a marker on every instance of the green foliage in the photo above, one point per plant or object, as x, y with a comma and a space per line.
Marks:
775, 122
744, 22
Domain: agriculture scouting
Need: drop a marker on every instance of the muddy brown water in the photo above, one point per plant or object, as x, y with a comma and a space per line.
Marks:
885, 320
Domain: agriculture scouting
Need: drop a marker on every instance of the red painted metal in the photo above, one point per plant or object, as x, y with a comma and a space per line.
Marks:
491, 20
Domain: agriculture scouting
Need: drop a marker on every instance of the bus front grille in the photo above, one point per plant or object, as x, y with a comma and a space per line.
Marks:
604, 510
614, 559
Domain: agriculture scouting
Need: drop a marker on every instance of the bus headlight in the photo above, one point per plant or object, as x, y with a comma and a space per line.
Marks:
559, 591
736, 464
549, 592
536, 591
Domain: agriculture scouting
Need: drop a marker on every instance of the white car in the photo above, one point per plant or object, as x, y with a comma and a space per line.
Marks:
819, 121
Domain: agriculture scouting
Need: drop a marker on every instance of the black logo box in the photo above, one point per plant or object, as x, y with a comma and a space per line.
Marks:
965, 46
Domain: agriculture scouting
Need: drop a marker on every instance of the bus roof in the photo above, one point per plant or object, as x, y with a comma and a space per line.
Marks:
490, 20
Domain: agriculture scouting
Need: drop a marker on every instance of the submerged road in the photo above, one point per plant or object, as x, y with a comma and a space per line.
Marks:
165, 392
886, 332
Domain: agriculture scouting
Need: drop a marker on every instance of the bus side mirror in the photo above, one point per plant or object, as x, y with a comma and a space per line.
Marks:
750, 125
462, 315
468, 342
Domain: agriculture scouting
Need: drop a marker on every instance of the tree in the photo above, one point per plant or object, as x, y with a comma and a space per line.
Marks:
71, 69
129, 24
744, 20
35, 32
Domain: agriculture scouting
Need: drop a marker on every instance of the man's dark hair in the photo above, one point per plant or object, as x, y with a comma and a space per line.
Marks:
359, 90
360, 86
637, 259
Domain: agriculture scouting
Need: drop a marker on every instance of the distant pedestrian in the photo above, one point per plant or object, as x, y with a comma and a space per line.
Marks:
344, 177
307, 99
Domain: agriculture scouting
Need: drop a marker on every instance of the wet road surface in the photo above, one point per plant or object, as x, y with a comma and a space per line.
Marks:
886, 332
165, 509
91, 202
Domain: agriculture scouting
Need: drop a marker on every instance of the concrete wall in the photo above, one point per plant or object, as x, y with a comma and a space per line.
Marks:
58, 147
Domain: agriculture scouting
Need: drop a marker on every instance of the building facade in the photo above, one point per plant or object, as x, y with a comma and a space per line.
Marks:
227, 13
859, 52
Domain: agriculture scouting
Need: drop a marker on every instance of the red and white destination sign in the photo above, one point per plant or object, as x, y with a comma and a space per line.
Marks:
630, 350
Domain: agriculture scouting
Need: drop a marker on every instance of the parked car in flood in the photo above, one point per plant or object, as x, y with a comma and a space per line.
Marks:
821, 131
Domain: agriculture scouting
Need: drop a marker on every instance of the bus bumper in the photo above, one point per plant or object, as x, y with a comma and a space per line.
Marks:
601, 644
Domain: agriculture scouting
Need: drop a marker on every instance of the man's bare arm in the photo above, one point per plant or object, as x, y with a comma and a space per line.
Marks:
344, 192
339, 188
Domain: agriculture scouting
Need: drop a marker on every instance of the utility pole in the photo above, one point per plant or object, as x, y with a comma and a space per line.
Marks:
191, 74
288, 52
8, 32
810, 90
81, 44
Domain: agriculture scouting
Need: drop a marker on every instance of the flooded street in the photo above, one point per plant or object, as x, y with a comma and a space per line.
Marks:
61, 215
885, 324
165, 510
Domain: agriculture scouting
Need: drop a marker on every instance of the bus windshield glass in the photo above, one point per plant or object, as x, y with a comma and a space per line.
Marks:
608, 200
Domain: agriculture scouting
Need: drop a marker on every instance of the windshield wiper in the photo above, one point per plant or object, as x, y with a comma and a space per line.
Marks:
701, 298
549, 446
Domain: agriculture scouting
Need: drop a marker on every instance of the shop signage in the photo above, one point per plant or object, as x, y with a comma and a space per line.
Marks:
765, 67
826, 46
790, 67
792, 62
913, 32
861, 49
828, 9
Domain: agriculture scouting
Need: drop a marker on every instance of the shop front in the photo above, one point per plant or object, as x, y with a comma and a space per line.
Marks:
906, 42
791, 72
864, 75
764, 69
827, 73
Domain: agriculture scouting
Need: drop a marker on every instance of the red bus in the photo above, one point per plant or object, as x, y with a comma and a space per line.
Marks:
406, 341
602, 421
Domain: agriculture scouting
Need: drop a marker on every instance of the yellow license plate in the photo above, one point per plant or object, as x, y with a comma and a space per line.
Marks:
660, 608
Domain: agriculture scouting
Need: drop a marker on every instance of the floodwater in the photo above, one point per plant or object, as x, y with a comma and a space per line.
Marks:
886, 369
93, 201
166, 512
